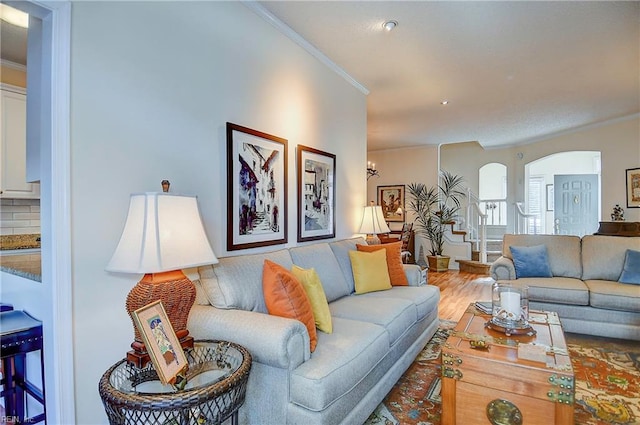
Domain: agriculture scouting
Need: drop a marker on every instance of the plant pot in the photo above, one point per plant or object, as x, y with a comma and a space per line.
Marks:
438, 263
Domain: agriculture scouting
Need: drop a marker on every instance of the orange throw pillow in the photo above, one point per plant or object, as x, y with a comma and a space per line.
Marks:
285, 297
394, 261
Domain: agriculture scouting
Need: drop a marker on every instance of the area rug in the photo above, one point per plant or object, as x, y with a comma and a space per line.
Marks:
607, 384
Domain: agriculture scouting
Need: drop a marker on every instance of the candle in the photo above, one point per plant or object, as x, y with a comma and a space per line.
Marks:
510, 302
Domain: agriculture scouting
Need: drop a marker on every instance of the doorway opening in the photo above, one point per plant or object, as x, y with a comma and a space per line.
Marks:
562, 191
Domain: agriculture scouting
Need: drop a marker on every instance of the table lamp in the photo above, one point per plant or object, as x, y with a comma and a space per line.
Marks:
373, 223
162, 235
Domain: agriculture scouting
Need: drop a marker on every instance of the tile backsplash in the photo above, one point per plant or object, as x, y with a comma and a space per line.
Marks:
19, 216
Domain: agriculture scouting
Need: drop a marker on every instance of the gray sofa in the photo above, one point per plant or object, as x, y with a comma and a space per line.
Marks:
375, 338
584, 290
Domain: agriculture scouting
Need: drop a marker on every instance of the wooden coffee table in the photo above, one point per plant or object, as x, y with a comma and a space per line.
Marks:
488, 378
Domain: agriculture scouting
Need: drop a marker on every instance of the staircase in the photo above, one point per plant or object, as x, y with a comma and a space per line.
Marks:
494, 251
481, 229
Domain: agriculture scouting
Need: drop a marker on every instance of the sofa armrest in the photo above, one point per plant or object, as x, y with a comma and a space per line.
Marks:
503, 269
415, 274
271, 340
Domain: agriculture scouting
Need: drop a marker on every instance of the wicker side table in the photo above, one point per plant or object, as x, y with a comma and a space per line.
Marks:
217, 383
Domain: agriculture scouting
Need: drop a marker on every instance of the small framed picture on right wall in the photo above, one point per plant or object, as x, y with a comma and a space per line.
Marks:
633, 188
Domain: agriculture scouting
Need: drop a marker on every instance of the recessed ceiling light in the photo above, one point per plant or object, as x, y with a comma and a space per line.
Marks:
389, 25
14, 16
444, 102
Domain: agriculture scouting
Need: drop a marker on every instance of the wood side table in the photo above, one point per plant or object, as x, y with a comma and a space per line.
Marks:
497, 384
215, 390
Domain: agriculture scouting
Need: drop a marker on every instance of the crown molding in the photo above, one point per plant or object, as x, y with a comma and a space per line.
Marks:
298, 39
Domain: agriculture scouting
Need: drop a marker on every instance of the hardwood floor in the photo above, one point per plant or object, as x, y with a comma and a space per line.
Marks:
458, 290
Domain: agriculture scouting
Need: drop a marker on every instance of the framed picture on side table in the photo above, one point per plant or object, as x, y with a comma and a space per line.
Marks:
160, 341
391, 199
633, 188
256, 188
316, 194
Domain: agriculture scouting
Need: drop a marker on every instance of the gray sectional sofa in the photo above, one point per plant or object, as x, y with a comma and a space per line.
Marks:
375, 338
584, 289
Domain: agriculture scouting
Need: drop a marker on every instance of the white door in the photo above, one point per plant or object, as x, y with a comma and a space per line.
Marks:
576, 204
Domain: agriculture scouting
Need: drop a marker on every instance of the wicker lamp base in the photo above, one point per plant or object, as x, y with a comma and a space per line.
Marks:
177, 294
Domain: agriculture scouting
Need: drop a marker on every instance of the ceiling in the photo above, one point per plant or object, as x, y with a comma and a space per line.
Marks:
513, 72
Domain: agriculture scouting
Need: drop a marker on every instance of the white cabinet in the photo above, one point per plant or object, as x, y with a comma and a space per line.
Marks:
13, 149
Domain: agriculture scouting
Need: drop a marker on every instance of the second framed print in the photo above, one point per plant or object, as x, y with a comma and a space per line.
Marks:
256, 188
316, 194
391, 199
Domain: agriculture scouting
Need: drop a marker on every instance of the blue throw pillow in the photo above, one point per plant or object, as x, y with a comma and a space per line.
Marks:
531, 261
631, 269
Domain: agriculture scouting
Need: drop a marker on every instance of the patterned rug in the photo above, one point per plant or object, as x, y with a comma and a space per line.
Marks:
607, 384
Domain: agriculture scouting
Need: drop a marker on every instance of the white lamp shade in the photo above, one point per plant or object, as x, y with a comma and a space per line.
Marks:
163, 232
373, 222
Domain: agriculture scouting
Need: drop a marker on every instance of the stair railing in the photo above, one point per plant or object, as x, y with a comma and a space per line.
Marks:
522, 220
476, 225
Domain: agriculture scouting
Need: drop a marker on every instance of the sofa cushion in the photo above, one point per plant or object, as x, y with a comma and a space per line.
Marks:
631, 268
341, 251
561, 290
319, 305
321, 257
236, 282
531, 261
394, 261
563, 251
425, 297
370, 271
284, 296
603, 256
393, 314
341, 360
614, 295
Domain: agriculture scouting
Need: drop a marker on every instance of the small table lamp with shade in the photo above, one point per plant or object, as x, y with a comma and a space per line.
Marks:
162, 235
373, 224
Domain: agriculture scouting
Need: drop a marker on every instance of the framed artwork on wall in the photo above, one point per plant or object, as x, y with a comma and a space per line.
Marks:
316, 194
633, 188
391, 199
256, 188
160, 341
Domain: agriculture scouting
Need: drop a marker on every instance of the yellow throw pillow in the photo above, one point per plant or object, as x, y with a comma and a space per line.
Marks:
394, 261
370, 272
319, 305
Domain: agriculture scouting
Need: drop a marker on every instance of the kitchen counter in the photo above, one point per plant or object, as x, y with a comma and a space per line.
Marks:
22, 262
11, 242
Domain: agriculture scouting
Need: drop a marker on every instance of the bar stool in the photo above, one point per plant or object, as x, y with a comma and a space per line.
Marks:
20, 334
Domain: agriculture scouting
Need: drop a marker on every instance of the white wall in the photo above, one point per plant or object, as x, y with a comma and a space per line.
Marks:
153, 84
402, 166
618, 141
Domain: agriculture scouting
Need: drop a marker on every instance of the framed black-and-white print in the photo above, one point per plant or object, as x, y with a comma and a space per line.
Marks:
633, 188
256, 188
316, 194
391, 199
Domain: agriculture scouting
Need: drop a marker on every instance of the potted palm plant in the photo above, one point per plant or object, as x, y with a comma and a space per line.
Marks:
436, 208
